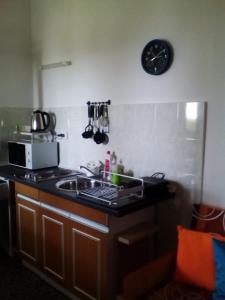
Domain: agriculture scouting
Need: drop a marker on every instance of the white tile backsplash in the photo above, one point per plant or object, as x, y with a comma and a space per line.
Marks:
191, 120
166, 120
167, 137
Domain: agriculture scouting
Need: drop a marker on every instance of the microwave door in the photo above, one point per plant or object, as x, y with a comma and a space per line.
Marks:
17, 154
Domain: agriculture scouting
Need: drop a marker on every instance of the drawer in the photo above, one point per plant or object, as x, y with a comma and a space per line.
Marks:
26, 190
75, 208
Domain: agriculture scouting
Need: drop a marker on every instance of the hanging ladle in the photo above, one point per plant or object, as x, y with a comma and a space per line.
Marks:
88, 131
98, 135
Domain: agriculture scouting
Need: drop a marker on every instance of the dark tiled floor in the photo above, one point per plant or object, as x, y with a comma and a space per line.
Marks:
19, 283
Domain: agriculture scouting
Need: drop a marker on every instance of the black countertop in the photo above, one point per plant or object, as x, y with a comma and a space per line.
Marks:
124, 207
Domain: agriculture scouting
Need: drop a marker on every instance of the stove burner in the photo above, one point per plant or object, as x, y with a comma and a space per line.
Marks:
49, 174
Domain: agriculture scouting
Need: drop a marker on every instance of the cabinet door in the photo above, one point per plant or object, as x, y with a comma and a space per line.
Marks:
28, 228
88, 268
54, 244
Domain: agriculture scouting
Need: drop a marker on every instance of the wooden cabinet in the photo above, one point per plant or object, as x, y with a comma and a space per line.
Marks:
28, 229
62, 243
88, 267
54, 244
71, 243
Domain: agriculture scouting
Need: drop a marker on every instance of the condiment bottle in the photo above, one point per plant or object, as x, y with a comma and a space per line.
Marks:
115, 178
107, 168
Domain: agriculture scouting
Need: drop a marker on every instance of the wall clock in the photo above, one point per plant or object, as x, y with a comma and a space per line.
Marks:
156, 57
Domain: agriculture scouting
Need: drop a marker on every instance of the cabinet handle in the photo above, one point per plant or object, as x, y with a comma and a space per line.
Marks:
76, 218
89, 223
58, 211
28, 199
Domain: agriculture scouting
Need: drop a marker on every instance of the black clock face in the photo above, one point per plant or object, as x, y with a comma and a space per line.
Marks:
156, 57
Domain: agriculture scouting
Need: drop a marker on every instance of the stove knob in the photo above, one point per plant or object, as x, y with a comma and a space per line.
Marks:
27, 176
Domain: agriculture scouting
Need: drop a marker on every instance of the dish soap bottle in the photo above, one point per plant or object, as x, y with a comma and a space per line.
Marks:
107, 168
115, 177
120, 167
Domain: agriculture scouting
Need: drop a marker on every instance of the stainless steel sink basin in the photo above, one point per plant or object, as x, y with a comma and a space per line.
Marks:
98, 189
89, 187
77, 184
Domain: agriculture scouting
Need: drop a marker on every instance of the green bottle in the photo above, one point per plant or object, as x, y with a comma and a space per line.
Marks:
115, 179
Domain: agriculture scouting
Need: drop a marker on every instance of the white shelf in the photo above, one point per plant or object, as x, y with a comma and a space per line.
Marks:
33, 137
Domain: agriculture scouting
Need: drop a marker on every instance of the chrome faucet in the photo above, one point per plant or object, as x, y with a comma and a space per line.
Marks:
87, 169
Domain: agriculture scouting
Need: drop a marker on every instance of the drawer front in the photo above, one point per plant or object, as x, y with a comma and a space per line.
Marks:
53, 242
28, 229
26, 190
75, 208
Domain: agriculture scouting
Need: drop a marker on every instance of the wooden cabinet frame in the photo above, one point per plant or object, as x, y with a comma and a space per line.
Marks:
48, 268
98, 271
20, 232
85, 249
72, 233
27, 211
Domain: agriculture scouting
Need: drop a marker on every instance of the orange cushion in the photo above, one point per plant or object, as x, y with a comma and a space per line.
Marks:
195, 259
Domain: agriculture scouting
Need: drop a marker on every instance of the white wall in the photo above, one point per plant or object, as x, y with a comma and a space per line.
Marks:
104, 41
15, 69
15, 54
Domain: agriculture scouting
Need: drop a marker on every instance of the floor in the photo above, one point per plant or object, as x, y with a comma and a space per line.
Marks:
19, 283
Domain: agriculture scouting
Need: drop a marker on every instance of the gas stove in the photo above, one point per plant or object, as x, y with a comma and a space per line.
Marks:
49, 174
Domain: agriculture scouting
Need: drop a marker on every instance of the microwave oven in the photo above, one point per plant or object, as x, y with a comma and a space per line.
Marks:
33, 155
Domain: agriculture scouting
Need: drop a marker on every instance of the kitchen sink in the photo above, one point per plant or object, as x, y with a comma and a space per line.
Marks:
89, 187
99, 189
77, 184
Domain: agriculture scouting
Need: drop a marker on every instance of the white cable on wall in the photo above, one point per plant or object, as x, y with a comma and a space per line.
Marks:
208, 219
204, 216
224, 222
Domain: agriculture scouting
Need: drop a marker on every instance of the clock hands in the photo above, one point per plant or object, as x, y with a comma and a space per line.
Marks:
155, 57
163, 50
158, 55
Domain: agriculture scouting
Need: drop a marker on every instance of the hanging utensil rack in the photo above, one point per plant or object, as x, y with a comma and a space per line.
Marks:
99, 103
98, 125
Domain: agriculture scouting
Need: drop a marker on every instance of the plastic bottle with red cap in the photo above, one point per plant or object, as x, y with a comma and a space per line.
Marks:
107, 168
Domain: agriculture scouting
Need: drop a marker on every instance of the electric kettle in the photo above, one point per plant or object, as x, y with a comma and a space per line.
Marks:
40, 121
